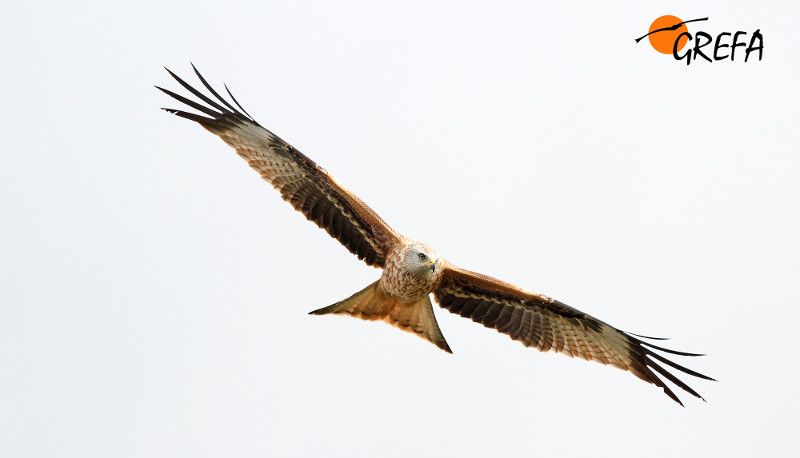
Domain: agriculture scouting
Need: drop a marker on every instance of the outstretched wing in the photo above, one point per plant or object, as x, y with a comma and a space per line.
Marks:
308, 187
539, 321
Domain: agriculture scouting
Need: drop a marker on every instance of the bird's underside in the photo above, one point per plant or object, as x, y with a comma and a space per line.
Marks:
412, 270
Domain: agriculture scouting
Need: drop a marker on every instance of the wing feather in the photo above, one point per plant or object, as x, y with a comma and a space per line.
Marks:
539, 321
308, 187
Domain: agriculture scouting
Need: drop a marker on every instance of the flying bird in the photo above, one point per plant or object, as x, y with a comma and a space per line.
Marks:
412, 271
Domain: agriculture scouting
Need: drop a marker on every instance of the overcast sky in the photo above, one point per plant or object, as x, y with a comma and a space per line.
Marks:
155, 291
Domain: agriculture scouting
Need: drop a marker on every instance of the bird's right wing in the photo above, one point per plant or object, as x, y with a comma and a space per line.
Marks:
308, 187
547, 324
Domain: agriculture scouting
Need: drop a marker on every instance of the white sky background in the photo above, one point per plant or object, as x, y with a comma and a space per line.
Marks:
155, 291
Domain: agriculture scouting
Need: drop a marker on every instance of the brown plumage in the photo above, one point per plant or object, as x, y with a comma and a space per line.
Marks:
412, 270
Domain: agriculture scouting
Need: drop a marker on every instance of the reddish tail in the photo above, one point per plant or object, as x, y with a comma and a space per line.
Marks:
371, 303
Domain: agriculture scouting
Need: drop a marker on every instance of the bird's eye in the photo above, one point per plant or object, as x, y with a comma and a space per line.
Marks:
422, 256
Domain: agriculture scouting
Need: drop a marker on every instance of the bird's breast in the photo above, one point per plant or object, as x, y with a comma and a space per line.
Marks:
400, 282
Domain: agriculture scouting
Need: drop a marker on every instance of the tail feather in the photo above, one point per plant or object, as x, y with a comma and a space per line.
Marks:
371, 303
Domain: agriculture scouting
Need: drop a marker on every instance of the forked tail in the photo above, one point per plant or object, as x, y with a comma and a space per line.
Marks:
371, 303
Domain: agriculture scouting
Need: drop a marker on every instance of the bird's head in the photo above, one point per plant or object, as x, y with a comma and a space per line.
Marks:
422, 260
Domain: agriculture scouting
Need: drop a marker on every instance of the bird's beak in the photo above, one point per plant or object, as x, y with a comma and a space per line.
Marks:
432, 264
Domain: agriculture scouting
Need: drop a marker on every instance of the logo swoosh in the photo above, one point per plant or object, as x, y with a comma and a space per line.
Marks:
674, 27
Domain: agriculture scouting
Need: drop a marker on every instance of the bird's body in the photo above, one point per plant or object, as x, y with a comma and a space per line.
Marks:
412, 271
403, 278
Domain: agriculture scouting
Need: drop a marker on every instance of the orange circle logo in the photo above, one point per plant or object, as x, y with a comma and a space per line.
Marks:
667, 31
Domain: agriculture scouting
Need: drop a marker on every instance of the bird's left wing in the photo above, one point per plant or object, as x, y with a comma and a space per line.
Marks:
309, 188
547, 324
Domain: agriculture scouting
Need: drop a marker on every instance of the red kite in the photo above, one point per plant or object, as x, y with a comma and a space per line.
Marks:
412, 270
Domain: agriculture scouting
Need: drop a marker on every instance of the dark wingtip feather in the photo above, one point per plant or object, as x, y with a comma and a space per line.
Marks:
644, 352
672, 378
237, 102
222, 115
647, 337
674, 397
197, 93
654, 379
211, 124
191, 103
678, 366
211, 89
674, 352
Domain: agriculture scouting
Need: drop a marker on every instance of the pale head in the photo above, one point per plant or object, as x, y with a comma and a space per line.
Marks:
420, 260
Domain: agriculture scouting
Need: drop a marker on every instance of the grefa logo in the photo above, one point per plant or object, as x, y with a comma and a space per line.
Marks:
669, 35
